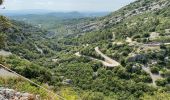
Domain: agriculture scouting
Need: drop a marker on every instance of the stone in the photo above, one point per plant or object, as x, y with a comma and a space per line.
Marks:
10, 94
67, 81
136, 57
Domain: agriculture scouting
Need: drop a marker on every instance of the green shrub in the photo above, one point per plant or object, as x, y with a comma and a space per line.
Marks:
161, 82
93, 96
155, 70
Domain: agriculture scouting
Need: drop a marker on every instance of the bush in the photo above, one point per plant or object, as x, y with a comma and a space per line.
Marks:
136, 37
146, 35
168, 79
93, 96
156, 96
167, 74
2, 41
162, 46
161, 82
155, 70
96, 65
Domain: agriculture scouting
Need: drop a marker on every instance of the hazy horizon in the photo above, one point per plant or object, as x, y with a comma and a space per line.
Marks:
43, 10
65, 5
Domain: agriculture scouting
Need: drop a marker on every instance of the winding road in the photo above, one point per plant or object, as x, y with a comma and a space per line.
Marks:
108, 61
154, 77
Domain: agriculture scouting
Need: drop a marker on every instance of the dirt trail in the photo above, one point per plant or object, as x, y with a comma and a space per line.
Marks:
103, 62
78, 54
154, 77
108, 60
39, 49
112, 63
129, 40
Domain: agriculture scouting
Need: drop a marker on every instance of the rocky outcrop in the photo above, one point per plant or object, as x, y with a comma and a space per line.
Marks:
123, 13
10, 94
136, 57
6, 74
5, 53
67, 81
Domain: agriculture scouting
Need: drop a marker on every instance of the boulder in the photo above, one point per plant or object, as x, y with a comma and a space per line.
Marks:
136, 57
67, 81
10, 94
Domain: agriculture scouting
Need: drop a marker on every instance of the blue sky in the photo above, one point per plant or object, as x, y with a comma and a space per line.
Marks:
67, 5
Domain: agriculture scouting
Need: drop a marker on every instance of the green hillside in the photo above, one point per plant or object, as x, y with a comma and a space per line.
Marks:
122, 56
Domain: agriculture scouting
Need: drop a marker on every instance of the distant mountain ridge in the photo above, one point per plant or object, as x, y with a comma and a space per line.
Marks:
137, 36
50, 12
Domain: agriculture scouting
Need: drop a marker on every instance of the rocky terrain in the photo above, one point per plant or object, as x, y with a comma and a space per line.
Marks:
134, 41
140, 7
6, 74
10, 94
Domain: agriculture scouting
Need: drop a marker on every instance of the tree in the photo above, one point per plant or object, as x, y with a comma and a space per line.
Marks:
146, 35
167, 74
155, 70
121, 72
2, 44
136, 37
162, 46
1, 2
96, 65
161, 82
93, 96
156, 96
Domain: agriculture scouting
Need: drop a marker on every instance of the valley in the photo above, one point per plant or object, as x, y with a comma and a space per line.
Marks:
124, 55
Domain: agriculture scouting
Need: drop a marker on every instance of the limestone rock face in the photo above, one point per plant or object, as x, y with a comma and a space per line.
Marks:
136, 57
10, 94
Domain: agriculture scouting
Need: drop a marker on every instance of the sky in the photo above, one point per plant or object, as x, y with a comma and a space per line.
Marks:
67, 5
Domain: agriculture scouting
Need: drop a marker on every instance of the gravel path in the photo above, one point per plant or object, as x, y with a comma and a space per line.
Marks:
39, 49
78, 54
129, 40
108, 61
103, 62
154, 77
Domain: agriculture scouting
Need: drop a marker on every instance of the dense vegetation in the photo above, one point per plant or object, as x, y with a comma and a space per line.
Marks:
40, 56
59, 24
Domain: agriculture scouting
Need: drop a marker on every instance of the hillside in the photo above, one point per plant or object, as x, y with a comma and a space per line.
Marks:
21, 52
60, 23
122, 56
136, 8
20, 38
139, 42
